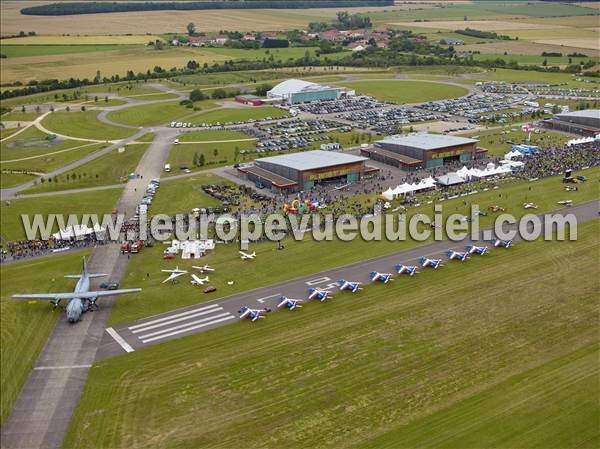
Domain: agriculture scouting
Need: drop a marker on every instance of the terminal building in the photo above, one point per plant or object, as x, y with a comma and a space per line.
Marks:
302, 171
294, 91
585, 123
423, 150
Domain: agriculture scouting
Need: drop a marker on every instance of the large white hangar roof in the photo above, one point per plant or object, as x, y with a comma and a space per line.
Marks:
292, 86
310, 160
425, 141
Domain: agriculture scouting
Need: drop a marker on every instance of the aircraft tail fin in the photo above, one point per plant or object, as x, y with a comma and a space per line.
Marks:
84, 271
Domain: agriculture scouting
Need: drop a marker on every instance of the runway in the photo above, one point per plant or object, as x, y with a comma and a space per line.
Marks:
208, 315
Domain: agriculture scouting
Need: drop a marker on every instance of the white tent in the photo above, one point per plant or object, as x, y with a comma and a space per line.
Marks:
511, 155
78, 232
388, 194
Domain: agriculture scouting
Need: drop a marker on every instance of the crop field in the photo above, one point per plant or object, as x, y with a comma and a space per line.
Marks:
155, 114
95, 202
409, 358
111, 168
226, 115
84, 125
406, 91
513, 48
19, 51
298, 257
531, 59
27, 324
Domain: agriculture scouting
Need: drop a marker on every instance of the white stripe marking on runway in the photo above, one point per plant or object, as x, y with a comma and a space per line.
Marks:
262, 300
113, 333
172, 316
170, 334
40, 368
190, 323
177, 320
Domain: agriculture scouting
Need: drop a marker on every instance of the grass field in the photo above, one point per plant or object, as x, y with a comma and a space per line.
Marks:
84, 124
226, 115
298, 257
209, 135
95, 202
183, 155
498, 144
532, 59
19, 116
13, 179
183, 195
111, 168
406, 91
155, 114
343, 373
26, 325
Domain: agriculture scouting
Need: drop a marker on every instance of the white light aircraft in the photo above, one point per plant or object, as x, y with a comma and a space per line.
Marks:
173, 274
203, 269
198, 281
246, 256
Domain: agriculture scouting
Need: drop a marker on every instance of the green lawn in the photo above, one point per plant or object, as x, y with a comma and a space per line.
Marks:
406, 91
299, 256
155, 114
342, 373
25, 325
19, 116
496, 140
111, 168
183, 154
211, 135
532, 59
84, 124
6, 132
13, 179
182, 195
227, 115
95, 202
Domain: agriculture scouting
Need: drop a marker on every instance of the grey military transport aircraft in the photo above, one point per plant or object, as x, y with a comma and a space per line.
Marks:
81, 299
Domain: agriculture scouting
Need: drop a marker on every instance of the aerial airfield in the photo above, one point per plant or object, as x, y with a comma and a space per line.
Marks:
324, 244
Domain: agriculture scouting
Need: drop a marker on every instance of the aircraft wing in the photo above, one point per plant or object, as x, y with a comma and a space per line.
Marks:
172, 276
80, 295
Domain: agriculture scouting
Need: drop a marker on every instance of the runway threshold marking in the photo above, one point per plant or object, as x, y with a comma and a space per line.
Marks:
180, 326
113, 333
187, 329
43, 368
177, 315
176, 320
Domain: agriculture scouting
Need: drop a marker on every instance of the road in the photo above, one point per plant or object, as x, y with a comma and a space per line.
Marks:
43, 410
208, 315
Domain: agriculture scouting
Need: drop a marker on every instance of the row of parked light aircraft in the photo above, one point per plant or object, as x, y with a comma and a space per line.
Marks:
176, 272
375, 276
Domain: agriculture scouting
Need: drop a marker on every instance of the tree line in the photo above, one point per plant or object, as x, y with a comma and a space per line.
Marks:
61, 9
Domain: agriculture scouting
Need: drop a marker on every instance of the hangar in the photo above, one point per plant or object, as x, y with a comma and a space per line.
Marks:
303, 170
585, 122
294, 91
423, 150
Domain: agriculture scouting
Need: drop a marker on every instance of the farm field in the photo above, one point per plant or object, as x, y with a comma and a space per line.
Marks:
401, 91
84, 125
95, 202
531, 59
408, 352
27, 324
299, 256
18, 51
513, 48
155, 114
107, 169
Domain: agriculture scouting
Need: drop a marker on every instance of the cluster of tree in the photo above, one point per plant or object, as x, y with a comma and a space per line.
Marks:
21, 34
243, 45
483, 34
551, 53
275, 43
262, 90
577, 55
345, 21
65, 8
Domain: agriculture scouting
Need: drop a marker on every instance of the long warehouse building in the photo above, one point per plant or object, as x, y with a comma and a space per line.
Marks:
294, 91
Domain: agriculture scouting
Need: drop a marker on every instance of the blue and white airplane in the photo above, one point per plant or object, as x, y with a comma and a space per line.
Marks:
406, 269
252, 314
481, 250
321, 295
347, 285
433, 263
457, 255
290, 303
502, 243
383, 277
